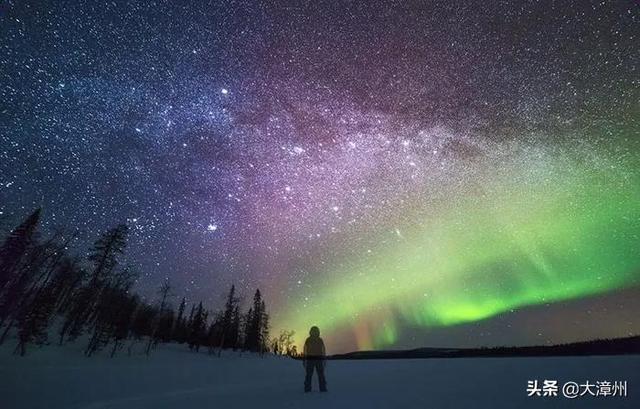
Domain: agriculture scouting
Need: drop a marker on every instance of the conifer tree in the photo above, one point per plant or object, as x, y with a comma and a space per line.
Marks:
248, 337
256, 324
230, 321
165, 292
104, 257
15, 246
197, 328
112, 313
178, 331
122, 321
105, 252
33, 320
30, 280
263, 341
235, 328
142, 322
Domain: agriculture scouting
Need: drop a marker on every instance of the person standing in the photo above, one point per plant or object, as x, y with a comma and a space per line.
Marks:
314, 357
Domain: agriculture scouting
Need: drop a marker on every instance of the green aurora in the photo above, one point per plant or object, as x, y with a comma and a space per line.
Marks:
540, 231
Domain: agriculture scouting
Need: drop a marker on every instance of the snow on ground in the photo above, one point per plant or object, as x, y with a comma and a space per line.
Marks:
61, 377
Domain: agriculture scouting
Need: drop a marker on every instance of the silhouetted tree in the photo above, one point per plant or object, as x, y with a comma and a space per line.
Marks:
263, 342
179, 332
257, 326
112, 310
66, 281
214, 334
190, 320
197, 328
15, 246
248, 335
284, 342
235, 328
165, 292
24, 291
165, 325
104, 254
122, 321
33, 319
141, 326
104, 257
230, 321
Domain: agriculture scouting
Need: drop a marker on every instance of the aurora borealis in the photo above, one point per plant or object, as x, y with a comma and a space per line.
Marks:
398, 173
533, 235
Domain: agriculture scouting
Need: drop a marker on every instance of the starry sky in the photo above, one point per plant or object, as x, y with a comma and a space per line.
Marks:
399, 173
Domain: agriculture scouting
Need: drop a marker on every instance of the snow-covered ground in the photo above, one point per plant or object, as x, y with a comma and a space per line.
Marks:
60, 377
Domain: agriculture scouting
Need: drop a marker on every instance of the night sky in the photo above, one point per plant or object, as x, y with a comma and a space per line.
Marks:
400, 174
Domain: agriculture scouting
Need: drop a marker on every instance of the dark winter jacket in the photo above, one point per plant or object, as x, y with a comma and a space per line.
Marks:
314, 346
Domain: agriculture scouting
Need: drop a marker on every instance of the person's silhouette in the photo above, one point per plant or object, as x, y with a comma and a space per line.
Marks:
314, 355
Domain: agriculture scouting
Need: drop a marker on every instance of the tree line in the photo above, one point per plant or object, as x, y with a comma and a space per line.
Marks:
48, 292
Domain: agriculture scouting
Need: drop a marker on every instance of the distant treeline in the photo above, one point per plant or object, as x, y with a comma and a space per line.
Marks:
617, 346
42, 283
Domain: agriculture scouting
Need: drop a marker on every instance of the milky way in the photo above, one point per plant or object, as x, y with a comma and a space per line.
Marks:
383, 170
